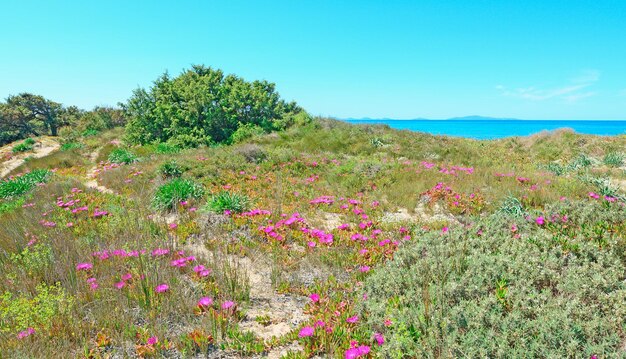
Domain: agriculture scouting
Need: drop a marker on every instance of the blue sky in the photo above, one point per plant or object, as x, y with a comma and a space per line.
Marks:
398, 59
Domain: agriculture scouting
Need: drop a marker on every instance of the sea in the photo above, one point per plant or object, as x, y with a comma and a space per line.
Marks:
500, 128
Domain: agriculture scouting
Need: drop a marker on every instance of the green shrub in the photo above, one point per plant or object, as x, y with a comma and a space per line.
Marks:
173, 192
202, 106
246, 131
512, 207
252, 153
122, 156
465, 294
225, 200
27, 145
171, 169
166, 148
20, 312
614, 159
19, 185
90, 132
70, 146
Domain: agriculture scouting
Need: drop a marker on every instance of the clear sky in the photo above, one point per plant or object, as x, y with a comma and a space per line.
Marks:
528, 59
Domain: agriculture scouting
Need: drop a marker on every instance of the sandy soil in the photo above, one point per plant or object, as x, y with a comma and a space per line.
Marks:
43, 147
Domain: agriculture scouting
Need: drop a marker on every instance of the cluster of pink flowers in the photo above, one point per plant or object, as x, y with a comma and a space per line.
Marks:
357, 351
25, 333
454, 170
256, 212
323, 200
202, 271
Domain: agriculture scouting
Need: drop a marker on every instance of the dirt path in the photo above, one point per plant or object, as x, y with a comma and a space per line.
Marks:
44, 147
285, 311
92, 174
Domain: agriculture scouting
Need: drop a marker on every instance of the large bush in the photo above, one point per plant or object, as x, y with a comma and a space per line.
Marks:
202, 106
556, 291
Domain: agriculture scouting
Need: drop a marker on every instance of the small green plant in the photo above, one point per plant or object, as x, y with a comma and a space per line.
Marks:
264, 320
173, 192
166, 148
22, 184
90, 132
512, 206
70, 146
614, 159
27, 145
171, 169
122, 156
225, 200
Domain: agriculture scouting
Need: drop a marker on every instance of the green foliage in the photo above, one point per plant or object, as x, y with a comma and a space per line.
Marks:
614, 159
24, 146
496, 295
20, 312
122, 156
200, 107
246, 131
100, 119
35, 258
512, 207
19, 185
90, 133
71, 146
173, 192
27, 114
225, 200
166, 148
171, 169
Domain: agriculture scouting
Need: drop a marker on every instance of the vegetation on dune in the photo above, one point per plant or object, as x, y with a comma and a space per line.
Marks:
322, 239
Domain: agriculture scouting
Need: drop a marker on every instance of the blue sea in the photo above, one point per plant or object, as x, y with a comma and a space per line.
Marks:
491, 129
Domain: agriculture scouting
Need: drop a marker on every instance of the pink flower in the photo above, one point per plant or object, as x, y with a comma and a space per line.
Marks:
25, 333
84, 266
540, 221
380, 339
353, 319
444, 230
127, 276
173, 225
314, 297
227, 304
306, 332
387, 322
364, 269
162, 288
120, 285
153, 340
205, 302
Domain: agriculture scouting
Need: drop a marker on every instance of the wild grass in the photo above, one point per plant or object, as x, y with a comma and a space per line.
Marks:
433, 244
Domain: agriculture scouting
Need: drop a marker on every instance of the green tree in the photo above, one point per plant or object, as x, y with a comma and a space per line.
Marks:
27, 114
202, 106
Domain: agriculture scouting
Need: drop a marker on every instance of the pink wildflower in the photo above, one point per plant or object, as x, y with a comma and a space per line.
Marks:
227, 304
84, 266
25, 333
353, 319
162, 288
205, 302
314, 297
380, 339
306, 332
